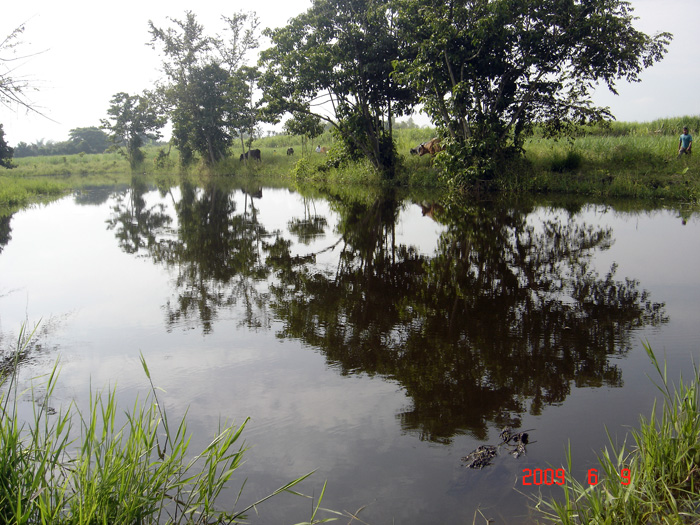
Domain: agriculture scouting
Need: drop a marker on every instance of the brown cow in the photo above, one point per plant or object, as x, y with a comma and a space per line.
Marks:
432, 147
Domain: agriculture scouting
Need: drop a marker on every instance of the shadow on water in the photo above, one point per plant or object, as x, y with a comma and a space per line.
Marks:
502, 319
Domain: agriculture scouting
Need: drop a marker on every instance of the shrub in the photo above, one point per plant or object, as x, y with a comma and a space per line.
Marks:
569, 162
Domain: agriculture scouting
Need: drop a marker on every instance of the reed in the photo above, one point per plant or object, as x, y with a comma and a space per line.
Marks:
71, 467
656, 480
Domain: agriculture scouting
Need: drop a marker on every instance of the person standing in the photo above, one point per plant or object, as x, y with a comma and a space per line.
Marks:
685, 143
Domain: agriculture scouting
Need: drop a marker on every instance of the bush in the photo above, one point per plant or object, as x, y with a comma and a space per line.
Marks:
569, 162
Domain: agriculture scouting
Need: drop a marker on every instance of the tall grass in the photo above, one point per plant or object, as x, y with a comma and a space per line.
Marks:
642, 166
86, 468
646, 152
19, 192
657, 480
63, 165
667, 126
621, 159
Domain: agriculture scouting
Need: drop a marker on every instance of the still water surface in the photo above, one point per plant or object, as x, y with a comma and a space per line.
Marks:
376, 340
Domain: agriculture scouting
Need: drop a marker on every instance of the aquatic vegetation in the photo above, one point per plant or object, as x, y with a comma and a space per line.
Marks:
65, 466
655, 480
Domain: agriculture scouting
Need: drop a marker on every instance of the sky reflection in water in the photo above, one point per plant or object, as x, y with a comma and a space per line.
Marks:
377, 340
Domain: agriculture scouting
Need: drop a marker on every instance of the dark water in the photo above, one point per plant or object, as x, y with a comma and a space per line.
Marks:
376, 339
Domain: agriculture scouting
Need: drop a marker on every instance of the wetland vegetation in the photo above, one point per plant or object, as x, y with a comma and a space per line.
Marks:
64, 466
509, 132
619, 160
653, 479
550, 312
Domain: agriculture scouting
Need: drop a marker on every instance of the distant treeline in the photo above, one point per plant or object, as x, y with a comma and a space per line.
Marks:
95, 140
81, 140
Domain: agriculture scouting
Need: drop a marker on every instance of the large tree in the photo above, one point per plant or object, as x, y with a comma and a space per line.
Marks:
201, 119
206, 87
487, 71
335, 61
89, 140
132, 119
6, 151
244, 114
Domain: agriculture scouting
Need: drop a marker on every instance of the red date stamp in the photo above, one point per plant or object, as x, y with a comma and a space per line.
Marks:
549, 476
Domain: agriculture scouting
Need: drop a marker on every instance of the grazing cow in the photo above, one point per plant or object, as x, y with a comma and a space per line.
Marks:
432, 147
252, 154
414, 151
290, 151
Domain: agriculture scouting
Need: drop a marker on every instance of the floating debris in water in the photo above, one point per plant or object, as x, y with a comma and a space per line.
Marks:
519, 450
515, 438
483, 455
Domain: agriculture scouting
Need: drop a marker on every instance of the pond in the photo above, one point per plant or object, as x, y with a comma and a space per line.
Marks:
375, 338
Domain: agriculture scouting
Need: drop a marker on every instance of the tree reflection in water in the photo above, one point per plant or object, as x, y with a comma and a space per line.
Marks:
5, 230
503, 318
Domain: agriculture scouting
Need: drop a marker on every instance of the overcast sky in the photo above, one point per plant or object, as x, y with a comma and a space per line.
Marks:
92, 50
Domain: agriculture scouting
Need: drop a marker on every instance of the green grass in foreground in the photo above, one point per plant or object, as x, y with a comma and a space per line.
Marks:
657, 480
85, 468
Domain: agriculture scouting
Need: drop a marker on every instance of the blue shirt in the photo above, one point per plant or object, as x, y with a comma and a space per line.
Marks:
686, 139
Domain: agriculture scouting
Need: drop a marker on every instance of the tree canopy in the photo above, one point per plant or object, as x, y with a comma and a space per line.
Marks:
133, 118
487, 71
335, 62
89, 140
208, 90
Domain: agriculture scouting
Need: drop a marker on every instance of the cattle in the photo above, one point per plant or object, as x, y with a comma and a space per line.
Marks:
252, 154
414, 151
290, 151
431, 147
320, 149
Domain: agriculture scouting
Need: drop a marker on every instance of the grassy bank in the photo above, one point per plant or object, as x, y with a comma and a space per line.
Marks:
41, 178
637, 165
104, 466
621, 160
655, 480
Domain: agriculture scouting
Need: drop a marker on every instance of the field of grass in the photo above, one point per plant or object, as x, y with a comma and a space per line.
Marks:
637, 160
643, 165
